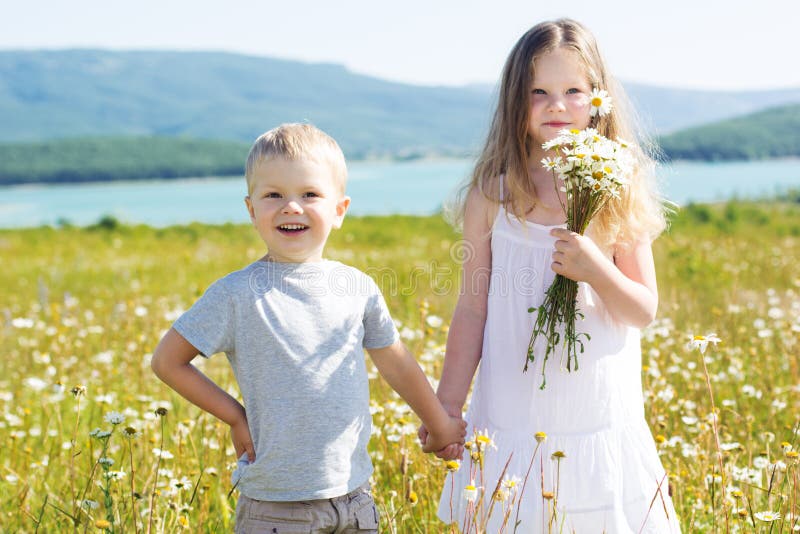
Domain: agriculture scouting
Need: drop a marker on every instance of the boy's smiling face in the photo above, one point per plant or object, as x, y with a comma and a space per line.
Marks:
294, 205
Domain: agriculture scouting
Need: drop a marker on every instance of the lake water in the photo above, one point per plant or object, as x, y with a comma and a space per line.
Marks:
376, 188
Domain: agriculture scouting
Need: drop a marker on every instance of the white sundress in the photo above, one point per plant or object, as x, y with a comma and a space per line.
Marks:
611, 470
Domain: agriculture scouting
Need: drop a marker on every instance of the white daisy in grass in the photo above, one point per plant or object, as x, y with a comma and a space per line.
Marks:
601, 102
767, 516
164, 455
701, 342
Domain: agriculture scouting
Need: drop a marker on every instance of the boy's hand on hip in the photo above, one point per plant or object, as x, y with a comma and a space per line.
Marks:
242, 441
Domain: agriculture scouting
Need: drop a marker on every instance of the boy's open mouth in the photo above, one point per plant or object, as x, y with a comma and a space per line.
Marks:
292, 228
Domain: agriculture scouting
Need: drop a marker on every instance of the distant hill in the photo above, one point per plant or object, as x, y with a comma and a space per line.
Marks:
77, 115
668, 110
771, 133
213, 95
53, 94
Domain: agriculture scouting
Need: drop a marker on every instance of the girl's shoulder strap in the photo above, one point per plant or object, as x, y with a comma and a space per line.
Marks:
500, 180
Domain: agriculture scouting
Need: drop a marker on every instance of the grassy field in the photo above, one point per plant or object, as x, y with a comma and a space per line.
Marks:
81, 310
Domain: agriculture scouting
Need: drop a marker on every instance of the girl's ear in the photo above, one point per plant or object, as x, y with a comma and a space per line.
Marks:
341, 210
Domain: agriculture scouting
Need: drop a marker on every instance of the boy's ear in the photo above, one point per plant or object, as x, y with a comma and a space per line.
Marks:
249, 205
341, 210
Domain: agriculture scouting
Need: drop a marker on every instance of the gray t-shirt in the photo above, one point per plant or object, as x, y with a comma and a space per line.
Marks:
294, 334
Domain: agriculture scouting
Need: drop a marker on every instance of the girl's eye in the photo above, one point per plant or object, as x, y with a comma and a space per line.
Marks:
539, 92
573, 91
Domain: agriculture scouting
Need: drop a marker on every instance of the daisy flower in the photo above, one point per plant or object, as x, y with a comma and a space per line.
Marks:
601, 103
484, 441
701, 342
470, 492
767, 516
452, 465
551, 163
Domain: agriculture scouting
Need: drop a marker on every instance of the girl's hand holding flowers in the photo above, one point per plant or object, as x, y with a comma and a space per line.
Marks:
576, 257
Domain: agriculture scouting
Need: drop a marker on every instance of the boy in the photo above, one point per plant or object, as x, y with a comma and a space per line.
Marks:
293, 327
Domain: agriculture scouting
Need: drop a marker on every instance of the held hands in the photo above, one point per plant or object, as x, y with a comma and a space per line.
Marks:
451, 435
576, 256
242, 441
447, 450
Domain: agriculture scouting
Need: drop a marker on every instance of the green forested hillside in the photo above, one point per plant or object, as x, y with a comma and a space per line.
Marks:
773, 133
89, 93
46, 94
102, 159
79, 115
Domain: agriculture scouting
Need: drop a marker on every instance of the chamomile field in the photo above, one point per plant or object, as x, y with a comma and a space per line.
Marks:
92, 441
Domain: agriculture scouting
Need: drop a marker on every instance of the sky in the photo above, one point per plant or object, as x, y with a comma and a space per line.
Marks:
695, 44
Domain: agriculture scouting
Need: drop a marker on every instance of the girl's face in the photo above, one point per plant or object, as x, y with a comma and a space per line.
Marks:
559, 96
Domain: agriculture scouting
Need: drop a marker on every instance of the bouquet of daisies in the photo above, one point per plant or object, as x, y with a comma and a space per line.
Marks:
592, 169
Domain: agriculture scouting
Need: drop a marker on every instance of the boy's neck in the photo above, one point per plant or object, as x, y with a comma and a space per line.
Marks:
271, 259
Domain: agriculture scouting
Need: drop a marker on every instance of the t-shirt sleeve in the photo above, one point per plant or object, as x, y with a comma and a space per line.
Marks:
208, 324
379, 328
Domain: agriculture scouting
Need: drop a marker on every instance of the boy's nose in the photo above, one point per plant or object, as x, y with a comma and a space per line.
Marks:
292, 207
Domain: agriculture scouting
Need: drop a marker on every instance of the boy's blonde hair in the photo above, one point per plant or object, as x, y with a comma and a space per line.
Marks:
639, 212
295, 141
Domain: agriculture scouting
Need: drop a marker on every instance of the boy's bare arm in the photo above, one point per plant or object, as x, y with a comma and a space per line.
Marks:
404, 375
172, 364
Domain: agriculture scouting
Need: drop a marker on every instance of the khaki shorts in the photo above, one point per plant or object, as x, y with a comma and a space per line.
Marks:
354, 512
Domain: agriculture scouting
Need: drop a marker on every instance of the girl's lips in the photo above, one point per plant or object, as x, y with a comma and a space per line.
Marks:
556, 124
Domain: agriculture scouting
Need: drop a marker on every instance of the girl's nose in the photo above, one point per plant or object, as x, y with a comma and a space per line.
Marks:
555, 103
292, 207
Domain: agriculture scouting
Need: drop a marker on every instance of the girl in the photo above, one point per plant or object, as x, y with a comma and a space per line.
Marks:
606, 471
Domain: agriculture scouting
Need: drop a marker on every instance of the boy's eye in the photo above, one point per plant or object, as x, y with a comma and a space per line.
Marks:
310, 194
272, 195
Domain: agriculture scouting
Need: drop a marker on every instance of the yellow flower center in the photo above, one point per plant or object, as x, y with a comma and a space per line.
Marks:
580, 156
699, 338
597, 174
595, 157
574, 131
597, 101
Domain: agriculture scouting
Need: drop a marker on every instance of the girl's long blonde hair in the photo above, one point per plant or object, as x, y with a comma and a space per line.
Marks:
639, 212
